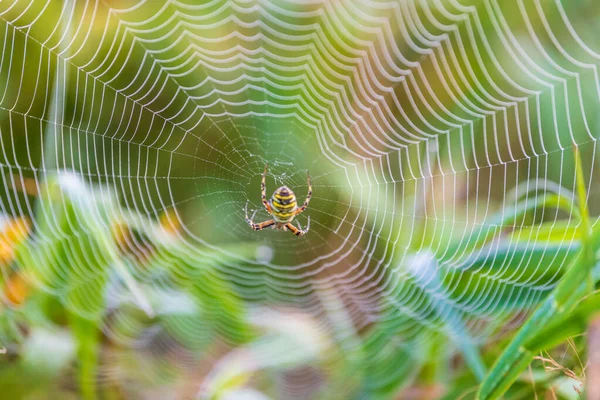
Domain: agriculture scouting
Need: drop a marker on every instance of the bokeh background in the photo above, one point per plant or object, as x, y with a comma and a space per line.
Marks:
442, 138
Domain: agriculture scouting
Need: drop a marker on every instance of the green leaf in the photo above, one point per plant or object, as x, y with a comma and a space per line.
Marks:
87, 337
561, 301
566, 325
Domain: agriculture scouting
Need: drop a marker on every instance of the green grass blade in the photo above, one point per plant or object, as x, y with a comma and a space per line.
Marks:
510, 217
566, 325
581, 192
516, 356
561, 301
426, 274
87, 337
583, 210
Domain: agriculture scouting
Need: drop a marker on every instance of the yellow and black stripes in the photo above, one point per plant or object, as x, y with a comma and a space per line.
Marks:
282, 206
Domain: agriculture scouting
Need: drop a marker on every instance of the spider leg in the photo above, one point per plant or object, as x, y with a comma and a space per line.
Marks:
257, 226
262, 225
246, 211
307, 224
263, 190
298, 231
250, 220
308, 196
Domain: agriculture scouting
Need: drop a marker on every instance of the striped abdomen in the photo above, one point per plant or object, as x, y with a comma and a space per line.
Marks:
283, 204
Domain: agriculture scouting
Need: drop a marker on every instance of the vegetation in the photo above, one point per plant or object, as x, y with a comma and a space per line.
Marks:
455, 259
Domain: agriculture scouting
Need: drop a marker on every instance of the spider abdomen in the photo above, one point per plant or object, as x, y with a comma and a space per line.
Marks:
283, 205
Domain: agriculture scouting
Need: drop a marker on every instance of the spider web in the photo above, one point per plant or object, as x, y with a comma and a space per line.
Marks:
422, 124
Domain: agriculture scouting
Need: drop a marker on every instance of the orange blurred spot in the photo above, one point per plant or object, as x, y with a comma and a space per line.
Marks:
15, 231
131, 243
170, 221
17, 289
26, 185
120, 233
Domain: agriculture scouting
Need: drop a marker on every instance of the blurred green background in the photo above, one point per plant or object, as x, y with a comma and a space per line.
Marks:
452, 150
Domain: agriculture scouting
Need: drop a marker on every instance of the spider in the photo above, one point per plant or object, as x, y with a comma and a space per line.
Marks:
282, 206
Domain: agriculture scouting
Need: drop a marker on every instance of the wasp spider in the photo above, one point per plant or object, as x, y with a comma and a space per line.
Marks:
282, 206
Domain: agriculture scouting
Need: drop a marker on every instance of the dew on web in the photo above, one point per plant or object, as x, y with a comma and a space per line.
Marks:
426, 126
264, 254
